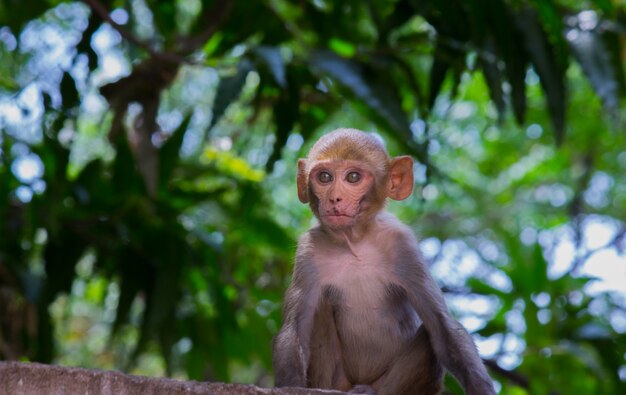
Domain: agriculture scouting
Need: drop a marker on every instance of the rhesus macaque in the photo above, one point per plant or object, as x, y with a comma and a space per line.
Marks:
362, 313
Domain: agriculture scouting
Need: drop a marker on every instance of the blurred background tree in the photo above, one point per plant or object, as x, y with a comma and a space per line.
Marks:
148, 214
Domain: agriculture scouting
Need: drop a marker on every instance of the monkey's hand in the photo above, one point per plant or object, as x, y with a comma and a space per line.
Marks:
362, 389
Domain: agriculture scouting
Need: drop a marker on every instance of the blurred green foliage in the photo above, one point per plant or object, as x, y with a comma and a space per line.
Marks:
148, 215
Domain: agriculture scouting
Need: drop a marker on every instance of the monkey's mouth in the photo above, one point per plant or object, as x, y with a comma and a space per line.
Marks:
338, 221
338, 215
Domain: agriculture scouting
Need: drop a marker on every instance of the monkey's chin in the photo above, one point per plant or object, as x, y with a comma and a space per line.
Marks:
338, 222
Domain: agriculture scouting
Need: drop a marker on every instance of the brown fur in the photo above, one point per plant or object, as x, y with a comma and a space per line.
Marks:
362, 312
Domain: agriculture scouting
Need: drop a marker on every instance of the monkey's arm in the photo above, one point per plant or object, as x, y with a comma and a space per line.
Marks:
452, 344
291, 347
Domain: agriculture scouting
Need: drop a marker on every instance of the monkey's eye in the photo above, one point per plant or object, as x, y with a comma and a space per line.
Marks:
353, 177
324, 177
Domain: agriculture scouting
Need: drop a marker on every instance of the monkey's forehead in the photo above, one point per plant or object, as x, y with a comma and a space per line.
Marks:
339, 163
342, 150
352, 136
348, 144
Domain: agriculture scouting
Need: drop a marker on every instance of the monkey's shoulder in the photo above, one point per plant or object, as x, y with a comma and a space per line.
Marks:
389, 223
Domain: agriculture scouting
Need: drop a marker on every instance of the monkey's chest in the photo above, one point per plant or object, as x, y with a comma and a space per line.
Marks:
370, 313
372, 323
361, 286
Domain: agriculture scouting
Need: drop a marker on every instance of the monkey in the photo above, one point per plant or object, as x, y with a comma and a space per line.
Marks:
362, 313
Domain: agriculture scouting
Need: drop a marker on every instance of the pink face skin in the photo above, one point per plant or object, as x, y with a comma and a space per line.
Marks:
340, 187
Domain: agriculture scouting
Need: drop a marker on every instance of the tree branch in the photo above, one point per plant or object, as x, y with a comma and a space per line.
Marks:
103, 13
213, 18
511, 375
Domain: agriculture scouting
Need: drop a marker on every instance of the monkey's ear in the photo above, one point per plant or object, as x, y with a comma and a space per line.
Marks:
400, 178
303, 183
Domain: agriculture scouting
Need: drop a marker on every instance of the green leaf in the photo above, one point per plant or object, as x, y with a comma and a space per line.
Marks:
170, 152
285, 116
437, 75
551, 72
60, 256
402, 12
480, 287
134, 277
342, 47
164, 14
228, 90
69, 91
605, 5
16, 13
54, 156
273, 60
286, 112
591, 53
146, 329
444, 59
126, 178
84, 45
510, 49
89, 185
539, 272
168, 336
45, 346
365, 85
494, 78
172, 258
614, 47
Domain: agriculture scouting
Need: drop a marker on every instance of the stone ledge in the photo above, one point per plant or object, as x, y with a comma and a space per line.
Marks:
18, 378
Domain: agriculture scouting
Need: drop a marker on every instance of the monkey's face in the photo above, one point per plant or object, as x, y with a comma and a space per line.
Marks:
347, 177
341, 188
